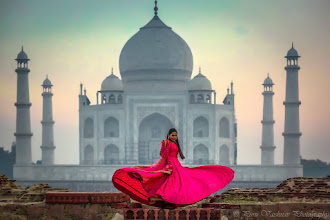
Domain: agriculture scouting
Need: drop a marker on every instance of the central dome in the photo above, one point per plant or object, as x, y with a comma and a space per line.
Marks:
155, 53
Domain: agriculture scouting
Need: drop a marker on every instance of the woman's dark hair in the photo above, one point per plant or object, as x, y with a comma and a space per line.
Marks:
177, 141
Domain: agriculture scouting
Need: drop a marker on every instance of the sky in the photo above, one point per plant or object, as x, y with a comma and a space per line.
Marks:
241, 41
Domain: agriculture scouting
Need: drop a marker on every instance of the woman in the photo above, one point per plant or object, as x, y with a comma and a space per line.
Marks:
168, 182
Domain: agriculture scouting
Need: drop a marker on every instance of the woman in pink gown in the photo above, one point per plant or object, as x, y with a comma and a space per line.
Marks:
168, 182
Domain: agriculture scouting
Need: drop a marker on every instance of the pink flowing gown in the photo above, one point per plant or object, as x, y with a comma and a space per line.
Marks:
177, 185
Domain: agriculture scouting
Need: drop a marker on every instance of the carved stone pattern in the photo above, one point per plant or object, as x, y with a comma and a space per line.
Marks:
169, 112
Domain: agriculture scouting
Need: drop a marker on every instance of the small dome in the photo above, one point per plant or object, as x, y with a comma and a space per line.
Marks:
22, 55
112, 83
199, 82
268, 81
292, 52
47, 83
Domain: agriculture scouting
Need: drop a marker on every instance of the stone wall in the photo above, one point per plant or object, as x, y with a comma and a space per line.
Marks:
107, 186
294, 198
66, 173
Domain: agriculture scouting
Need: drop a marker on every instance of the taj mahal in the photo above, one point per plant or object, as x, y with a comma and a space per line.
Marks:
132, 114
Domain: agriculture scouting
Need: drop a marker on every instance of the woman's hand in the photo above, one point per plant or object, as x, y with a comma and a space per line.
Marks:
139, 167
166, 171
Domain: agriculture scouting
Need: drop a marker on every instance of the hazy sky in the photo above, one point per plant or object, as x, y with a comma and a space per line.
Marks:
79, 41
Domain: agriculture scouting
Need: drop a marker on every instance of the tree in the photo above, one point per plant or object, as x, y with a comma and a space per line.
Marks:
315, 168
7, 160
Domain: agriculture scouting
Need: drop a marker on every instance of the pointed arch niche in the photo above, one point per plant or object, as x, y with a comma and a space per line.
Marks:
111, 127
111, 154
224, 154
201, 154
88, 128
88, 155
224, 128
201, 127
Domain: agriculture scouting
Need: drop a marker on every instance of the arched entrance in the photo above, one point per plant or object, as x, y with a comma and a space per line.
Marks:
152, 131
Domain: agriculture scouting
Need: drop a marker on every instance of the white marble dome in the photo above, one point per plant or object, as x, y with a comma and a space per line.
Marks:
47, 83
22, 55
155, 53
112, 83
199, 82
292, 52
268, 81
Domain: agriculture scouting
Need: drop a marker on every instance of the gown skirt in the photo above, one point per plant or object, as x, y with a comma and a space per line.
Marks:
169, 180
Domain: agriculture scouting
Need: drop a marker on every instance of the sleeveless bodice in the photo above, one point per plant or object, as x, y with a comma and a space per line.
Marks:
173, 150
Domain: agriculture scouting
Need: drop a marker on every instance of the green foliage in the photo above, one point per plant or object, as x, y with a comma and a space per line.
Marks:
315, 168
7, 161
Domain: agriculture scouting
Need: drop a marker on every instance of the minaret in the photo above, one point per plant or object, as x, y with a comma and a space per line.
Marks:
47, 122
230, 97
23, 126
230, 100
291, 128
267, 142
83, 100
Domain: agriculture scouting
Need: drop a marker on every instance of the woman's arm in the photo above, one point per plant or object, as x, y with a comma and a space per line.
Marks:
163, 147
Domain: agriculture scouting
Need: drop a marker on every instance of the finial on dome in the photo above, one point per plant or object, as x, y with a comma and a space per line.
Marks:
228, 91
200, 71
112, 71
156, 8
46, 76
267, 74
22, 47
292, 44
